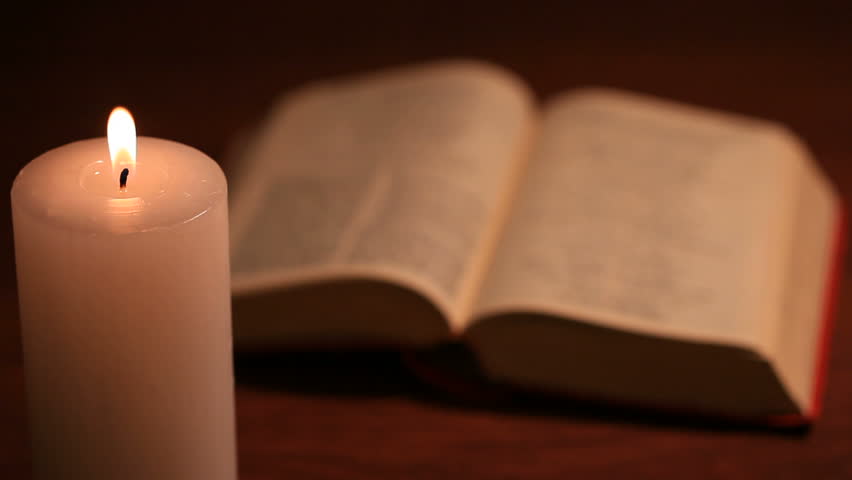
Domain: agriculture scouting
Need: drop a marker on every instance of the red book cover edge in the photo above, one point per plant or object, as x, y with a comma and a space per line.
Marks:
829, 312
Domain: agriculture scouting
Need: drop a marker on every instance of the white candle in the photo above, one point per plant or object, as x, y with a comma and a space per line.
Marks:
125, 310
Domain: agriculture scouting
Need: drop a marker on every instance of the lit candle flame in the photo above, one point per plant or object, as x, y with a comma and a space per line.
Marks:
121, 137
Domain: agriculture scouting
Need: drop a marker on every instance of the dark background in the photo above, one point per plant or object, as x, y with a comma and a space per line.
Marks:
201, 73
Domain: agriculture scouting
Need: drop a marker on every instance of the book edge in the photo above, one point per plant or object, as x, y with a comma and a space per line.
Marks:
831, 297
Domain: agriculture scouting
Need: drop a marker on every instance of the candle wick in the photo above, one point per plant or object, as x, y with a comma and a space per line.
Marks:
122, 180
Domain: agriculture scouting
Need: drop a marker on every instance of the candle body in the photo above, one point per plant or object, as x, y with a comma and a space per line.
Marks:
125, 314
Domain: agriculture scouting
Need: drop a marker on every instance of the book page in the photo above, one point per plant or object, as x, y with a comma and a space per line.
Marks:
648, 216
398, 175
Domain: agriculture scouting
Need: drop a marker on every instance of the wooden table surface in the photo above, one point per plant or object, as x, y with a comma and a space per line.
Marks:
200, 74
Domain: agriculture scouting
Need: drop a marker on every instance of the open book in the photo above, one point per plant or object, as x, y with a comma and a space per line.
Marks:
605, 245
